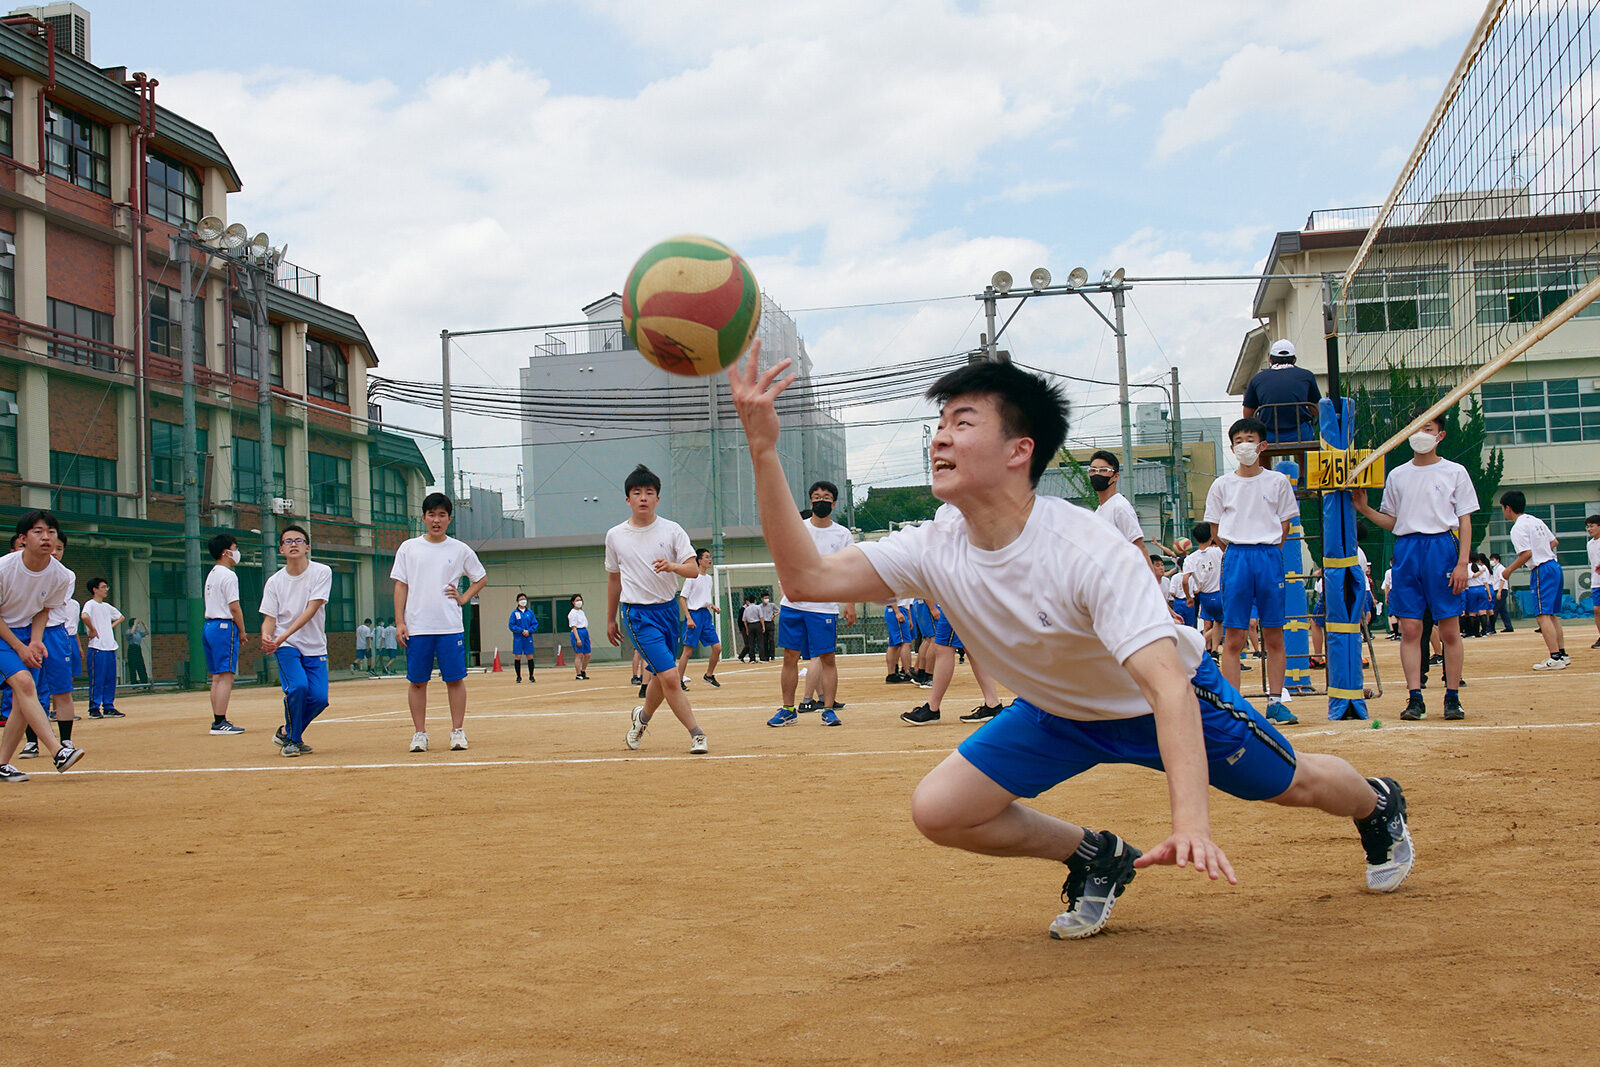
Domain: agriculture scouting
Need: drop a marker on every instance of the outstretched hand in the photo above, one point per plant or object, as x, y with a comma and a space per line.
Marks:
1185, 846
755, 393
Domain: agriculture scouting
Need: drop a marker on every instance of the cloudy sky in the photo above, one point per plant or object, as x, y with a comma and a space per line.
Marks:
500, 163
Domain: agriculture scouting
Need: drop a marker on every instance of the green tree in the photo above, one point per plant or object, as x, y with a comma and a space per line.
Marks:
896, 503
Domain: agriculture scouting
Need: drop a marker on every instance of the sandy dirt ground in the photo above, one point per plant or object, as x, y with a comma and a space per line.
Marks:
548, 897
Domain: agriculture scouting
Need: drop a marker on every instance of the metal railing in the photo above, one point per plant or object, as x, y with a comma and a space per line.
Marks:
297, 279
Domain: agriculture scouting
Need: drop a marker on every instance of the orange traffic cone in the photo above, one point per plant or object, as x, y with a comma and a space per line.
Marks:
496, 668
561, 660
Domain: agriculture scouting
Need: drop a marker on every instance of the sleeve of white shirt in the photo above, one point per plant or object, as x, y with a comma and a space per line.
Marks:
1288, 506
1391, 500
1466, 497
473, 566
400, 571
1128, 522
230, 590
898, 558
269, 598
1128, 613
321, 586
613, 564
1214, 503
685, 547
1521, 537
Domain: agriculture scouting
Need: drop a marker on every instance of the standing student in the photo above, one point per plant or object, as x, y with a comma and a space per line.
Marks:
1283, 396
1388, 590
1251, 509
102, 618
363, 647
1536, 550
578, 628
62, 662
900, 632
1202, 574
1428, 504
523, 624
750, 625
643, 552
1591, 526
946, 644
1502, 592
700, 613
810, 629
33, 583
294, 632
1105, 474
769, 627
1055, 602
137, 632
224, 630
426, 572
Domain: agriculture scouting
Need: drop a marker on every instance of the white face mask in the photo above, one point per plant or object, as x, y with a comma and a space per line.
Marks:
522, 603
577, 603
1423, 442
236, 554
1245, 452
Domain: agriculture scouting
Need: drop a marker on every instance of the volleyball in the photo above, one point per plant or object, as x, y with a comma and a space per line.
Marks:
691, 305
1183, 544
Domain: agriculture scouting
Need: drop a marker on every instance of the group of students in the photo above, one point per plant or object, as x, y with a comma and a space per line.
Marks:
377, 647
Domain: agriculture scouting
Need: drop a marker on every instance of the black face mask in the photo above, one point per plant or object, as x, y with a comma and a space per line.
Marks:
822, 508
1101, 482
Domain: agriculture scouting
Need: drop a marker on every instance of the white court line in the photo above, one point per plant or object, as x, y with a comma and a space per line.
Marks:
580, 760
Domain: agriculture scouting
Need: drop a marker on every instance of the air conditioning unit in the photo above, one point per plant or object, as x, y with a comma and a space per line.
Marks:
71, 24
1586, 579
282, 505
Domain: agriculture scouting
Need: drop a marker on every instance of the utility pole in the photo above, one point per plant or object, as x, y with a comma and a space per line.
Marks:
849, 503
444, 382
1122, 378
991, 346
716, 471
1180, 509
927, 443
257, 277
193, 584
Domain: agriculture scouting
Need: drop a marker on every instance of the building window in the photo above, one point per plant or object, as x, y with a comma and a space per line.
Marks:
6, 95
166, 458
1526, 290
341, 616
84, 472
169, 602
246, 354
8, 431
330, 483
78, 149
80, 322
247, 471
166, 329
8, 272
171, 190
1550, 411
1381, 302
327, 373
388, 494
1564, 520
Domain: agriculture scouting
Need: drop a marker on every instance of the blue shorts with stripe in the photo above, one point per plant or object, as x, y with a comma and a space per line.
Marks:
1183, 609
1210, 605
923, 619
1544, 582
221, 640
810, 633
703, 634
1026, 751
1252, 586
422, 650
654, 630
900, 633
61, 664
1420, 580
945, 634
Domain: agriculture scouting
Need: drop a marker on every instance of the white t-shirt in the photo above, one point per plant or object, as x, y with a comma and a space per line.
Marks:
1206, 566
1118, 511
1251, 511
222, 589
285, 596
698, 592
1498, 570
1388, 581
23, 593
363, 637
427, 567
1593, 547
1429, 499
102, 615
632, 551
390, 637
1052, 615
1529, 534
69, 612
828, 539
577, 620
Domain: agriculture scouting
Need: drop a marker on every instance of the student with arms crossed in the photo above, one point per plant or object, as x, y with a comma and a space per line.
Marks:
1058, 607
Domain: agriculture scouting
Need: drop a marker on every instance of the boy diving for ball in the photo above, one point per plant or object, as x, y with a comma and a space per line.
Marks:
1061, 609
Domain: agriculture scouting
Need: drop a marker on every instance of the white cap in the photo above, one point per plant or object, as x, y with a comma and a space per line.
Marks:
1282, 349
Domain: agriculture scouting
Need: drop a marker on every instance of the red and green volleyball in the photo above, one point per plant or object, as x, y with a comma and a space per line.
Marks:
691, 305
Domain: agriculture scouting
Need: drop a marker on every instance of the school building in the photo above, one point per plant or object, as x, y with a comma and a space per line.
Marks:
95, 175
1543, 410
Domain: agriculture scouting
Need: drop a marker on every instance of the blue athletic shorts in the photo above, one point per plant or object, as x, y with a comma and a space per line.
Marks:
1544, 582
1026, 751
1252, 586
945, 634
923, 619
900, 633
810, 633
57, 673
1421, 576
423, 649
1477, 599
654, 630
361, 653
1184, 610
703, 634
1210, 605
10, 662
580, 641
521, 646
221, 640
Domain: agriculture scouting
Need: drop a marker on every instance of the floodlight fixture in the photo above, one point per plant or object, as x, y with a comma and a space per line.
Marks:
235, 236
1039, 279
1113, 277
1001, 282
260, 245
209, 229
276, 257
1078, 278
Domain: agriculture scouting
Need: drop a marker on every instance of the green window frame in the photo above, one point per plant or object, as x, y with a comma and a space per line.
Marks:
80, 322
69, 470
8, 431
330, 484
166, 457
166, 329
8, 272
169, 601
78, 149
1542, 411
7, 94
389, 494
327, 371
171, 190
341, 617
247, 471
1526, 290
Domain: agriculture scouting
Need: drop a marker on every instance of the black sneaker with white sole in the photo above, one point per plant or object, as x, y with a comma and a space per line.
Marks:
1386, 838
9, 773
921, 715
1452, 709
1415, 709
983, 713
711, 680
67, 757
1093, 886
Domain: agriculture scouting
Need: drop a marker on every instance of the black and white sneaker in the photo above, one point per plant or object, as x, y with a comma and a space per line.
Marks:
983, 713
67, 757
8, 773
805, 706
29, 750
1415, 709
112, 713
711, 680
1452, 709
226, 727
1387, 839
1093, 886
280, 737
921, 715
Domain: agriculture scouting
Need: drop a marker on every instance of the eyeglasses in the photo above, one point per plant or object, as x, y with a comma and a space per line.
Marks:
1101, 470
287, 541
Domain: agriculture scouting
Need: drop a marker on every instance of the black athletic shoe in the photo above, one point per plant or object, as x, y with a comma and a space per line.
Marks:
1452, 709
712, 681
1595, 645
1387, 839
67, 756
635, 680
112, 713
806, 705
983, 713
94, 713
643, 687
921, 715
1415, 709
1093, 886
1435, 661
892, 679
683, 683
280, 738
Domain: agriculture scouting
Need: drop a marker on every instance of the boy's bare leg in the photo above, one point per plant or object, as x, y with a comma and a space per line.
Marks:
417, 701
665, 687
458, 703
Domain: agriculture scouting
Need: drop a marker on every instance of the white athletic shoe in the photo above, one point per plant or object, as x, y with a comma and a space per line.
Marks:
419, 742
700, 746
458, 740
1551, 663
637, 730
